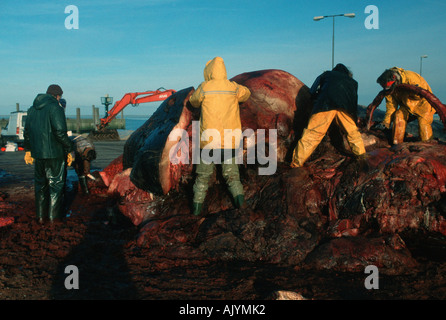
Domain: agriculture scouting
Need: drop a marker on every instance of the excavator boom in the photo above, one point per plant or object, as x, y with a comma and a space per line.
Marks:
134, 98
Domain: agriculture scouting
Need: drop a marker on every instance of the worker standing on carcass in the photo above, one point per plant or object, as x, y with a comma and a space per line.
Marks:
410, 104
84, 153
47, 143
336, 98
219, 100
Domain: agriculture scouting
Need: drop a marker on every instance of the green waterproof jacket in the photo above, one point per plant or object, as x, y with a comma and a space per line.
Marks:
45, 132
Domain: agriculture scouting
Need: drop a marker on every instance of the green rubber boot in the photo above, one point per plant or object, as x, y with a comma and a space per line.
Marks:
197, 208
239, 201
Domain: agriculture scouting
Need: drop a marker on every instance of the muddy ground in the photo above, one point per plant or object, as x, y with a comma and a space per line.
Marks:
102, 246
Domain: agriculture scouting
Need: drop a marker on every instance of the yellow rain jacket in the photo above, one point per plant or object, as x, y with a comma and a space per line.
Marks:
219, 100
409, 102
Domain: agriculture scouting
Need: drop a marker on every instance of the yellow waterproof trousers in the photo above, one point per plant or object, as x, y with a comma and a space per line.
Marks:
425, 116
317, 128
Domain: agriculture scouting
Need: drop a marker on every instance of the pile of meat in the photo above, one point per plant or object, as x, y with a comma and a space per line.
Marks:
334, 213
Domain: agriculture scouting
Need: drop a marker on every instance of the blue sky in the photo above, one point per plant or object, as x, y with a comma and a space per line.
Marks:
133, 46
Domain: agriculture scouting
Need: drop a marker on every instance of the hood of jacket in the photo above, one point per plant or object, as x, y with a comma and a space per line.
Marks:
219, 100
342, 68
215, 69
42, 100
413, 78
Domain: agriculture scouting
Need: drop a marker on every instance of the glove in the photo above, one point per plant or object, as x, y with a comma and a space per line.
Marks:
69, 159
28, 158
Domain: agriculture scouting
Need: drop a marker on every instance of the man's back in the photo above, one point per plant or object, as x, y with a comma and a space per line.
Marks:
219, 101
46, 129
338, 90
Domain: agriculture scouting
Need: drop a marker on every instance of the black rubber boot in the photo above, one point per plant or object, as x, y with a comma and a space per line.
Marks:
40, 192
56, 205
41, 208
56, 187
363, 165
84, 185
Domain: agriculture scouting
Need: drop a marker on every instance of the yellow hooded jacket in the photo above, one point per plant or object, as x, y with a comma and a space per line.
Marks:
415, 104
219, 100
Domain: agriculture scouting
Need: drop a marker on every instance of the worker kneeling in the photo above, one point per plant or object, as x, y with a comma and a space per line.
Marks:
410, 104
219, 100
336, 98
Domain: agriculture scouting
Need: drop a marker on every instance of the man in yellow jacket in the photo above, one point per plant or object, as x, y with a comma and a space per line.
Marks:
408, 103
220, 115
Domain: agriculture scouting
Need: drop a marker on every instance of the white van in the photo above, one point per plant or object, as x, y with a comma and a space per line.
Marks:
15, 127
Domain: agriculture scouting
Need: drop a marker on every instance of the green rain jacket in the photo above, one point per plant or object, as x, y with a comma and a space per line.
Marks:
45, 132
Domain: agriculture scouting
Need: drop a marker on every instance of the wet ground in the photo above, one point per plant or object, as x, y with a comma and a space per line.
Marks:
102, 246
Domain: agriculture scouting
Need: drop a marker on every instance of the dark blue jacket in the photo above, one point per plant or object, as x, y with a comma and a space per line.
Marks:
334, 90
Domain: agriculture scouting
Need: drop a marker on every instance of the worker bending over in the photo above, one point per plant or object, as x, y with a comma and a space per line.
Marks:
84, 153
336, 98
408, 103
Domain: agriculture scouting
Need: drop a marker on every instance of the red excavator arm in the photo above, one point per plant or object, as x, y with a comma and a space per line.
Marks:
132, 98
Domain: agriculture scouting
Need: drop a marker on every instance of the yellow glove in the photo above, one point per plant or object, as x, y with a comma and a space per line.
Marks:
69, 159
28, 158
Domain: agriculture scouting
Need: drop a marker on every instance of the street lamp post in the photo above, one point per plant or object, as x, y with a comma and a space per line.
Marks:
349, 15
421, 63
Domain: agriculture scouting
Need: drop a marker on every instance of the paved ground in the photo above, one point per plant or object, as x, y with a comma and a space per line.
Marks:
13, 168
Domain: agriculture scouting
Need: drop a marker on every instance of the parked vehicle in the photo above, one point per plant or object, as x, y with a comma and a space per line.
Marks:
14, 129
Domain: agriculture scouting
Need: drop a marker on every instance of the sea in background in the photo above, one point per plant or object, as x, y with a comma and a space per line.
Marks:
134, 122
131, 122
